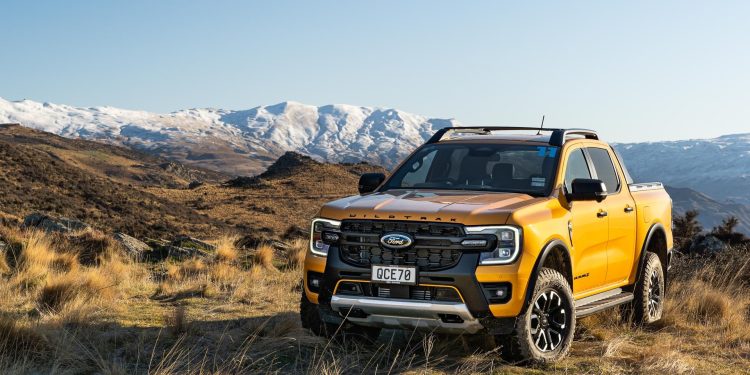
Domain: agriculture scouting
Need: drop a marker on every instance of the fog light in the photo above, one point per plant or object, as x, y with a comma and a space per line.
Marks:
497, 292
314, 281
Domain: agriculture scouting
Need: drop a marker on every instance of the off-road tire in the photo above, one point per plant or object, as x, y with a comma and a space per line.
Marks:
523, 345
346, 333
648, 295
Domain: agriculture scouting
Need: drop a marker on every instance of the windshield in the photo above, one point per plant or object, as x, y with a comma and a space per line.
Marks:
514, 168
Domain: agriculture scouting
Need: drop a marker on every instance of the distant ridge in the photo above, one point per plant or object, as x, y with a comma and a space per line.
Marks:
246, 142
240, 142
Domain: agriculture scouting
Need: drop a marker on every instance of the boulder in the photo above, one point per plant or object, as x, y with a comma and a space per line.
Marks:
295, 232
192, 243
707, 245
52, 224
253, 241
133, 246
181, 253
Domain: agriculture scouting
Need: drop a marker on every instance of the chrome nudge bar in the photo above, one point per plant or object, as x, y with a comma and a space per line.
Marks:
443, 317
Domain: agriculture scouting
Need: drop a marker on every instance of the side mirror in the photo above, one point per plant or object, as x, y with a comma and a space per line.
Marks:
585, 189
368, 182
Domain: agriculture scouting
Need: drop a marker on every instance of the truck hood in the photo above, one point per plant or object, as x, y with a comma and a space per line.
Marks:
465, 207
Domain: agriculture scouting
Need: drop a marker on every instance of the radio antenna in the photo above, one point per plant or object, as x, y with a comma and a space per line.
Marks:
541, 127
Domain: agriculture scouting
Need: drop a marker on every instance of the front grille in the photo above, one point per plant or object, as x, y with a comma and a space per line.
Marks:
412, 227
436, 245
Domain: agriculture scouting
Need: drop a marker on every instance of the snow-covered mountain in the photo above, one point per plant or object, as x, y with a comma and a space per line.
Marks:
719, 167
239, 142
245, 142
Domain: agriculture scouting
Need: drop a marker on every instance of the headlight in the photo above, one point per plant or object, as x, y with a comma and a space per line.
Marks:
317, 245
508, 244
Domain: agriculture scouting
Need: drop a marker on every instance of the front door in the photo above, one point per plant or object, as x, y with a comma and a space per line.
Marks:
620, 208
588, 230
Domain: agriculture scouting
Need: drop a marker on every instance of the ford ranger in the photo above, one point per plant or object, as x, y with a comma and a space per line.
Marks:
508, 232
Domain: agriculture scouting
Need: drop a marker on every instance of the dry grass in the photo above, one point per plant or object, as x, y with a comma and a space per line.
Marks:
223, 316
4, 267
295, 258
86, 285
18, 341
263, 256
226, 250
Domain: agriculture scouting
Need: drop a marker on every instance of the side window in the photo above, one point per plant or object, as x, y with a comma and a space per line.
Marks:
605, 169
577, 168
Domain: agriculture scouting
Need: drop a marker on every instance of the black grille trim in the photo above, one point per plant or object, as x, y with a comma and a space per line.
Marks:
437, 246
414, 293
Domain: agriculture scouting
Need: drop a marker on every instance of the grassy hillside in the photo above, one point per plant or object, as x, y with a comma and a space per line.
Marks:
78, 303
116, 189
236, 312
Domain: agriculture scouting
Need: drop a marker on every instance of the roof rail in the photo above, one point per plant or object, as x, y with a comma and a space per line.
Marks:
557, 138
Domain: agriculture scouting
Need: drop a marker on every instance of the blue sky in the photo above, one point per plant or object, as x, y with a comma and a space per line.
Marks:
635, 70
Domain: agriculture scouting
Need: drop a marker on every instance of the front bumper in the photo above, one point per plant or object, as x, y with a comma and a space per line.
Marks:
396, 313
474, 310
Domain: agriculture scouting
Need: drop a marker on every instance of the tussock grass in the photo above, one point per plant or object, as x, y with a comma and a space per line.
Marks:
87, 285
263, 256
223, 315
20, 341
295, 257
4, 267
226, 251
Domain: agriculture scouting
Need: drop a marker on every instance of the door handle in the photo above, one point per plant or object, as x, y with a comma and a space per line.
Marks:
628, 209
601, 214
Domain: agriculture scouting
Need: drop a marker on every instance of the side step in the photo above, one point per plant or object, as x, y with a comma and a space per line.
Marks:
606, 300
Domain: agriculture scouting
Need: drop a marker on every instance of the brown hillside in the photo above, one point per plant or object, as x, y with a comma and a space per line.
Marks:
99, 184
288, 194
117, 189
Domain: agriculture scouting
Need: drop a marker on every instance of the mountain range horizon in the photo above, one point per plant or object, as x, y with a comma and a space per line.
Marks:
245, 142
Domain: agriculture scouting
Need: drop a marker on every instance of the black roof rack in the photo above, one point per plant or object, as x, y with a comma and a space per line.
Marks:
557, 138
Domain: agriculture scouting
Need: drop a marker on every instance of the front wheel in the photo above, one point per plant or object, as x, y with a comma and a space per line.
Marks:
544, 332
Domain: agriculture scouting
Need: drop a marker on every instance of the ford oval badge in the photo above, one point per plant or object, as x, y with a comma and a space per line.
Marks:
396, 240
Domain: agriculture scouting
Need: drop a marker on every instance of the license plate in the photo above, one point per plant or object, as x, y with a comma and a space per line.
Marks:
394, 274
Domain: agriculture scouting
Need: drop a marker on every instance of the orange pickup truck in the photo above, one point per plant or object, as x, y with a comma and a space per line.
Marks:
508, 232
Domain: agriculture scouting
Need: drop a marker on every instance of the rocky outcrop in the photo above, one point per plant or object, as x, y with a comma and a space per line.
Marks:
182, 247
52, 224
192, 243
288, 165
246, 182
132, 246
707, 245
